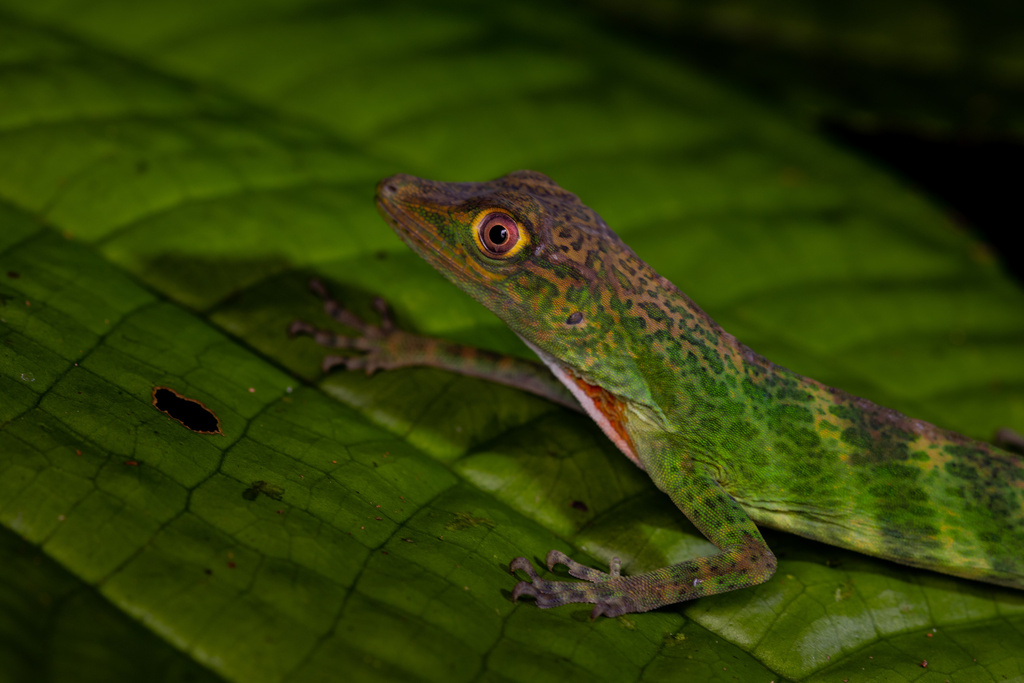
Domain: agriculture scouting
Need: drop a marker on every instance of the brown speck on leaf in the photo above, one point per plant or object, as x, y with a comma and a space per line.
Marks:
464, 520
263, 487
28, 303
580, 505
131, 463
924, 663
231, 565
379, 519
13, 274
78, 451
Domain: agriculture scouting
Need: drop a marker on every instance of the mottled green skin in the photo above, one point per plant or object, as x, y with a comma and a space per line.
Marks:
728, 435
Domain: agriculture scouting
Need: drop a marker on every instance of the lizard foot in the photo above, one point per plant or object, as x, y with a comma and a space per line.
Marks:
607, 591
381, 346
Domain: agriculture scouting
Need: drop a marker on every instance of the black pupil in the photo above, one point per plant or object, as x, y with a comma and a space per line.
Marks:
498, 234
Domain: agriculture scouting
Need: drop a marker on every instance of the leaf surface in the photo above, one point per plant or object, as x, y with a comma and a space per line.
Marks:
172, 174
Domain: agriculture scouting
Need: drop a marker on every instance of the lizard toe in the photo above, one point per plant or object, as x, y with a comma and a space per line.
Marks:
558, 557
523, 564
299, 328
581, 571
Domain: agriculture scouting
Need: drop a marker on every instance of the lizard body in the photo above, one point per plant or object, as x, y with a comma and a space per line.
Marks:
733, 439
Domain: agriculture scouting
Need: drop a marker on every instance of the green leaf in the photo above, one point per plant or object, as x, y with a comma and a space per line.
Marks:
53, 624
170, 176
935, 66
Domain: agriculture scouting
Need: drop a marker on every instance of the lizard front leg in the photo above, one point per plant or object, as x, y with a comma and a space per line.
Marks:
385, 346
744, 560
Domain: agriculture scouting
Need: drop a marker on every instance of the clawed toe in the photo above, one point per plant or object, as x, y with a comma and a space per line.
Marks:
371, 341
299, 328
385, 313
330, 363
558, 557
523, 564
541, 590
601, 589
582, 571
524, 588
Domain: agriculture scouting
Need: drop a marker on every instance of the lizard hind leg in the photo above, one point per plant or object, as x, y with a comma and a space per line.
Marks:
613, 594
744, 558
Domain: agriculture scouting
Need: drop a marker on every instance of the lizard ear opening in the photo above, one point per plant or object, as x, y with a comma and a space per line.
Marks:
498, 235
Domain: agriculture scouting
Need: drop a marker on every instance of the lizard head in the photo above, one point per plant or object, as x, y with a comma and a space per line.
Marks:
538, 258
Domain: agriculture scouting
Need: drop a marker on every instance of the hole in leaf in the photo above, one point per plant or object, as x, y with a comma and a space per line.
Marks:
189, 412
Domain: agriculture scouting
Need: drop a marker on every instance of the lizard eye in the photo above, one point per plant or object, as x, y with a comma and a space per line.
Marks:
498, 235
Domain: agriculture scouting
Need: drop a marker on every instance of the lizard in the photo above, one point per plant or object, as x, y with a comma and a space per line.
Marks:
733, 439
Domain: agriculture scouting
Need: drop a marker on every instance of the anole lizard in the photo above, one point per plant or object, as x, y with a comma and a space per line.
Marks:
732, 438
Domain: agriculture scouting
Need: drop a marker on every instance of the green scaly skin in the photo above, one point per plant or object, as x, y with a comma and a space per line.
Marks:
732, 438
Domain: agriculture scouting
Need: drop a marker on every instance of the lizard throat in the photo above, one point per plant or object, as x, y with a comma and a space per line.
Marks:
603, 407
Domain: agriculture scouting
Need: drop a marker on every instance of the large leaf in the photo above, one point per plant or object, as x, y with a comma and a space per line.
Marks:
936, 66
171, 174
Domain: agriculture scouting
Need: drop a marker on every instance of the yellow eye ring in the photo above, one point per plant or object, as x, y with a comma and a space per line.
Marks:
499, 236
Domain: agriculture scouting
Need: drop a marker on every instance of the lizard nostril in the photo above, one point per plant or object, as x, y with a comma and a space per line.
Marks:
389, 186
